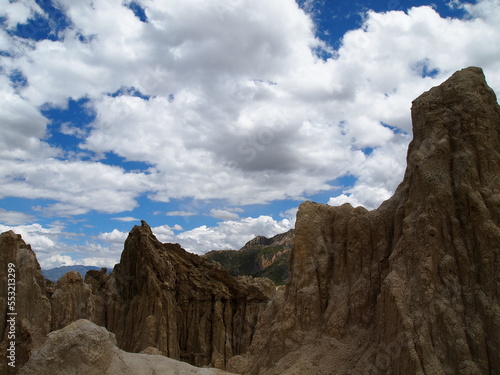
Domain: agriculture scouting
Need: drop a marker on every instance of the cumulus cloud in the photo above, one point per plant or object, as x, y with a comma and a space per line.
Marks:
22, 126
113, 237
58, 260
126, 219
231, 234
52, 248
14, 217
18, 12
76, 186
224, 214
290, 214
235, 103
181, 213
377, 177
35, 234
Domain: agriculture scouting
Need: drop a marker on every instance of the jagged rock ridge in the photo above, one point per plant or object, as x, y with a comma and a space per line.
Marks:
414, 286
181, 304
157, 296
260, 257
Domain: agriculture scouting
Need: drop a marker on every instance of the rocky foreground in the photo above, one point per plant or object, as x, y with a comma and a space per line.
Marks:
85, 348
410, 288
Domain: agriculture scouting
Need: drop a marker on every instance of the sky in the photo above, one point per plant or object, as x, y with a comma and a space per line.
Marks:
212, 120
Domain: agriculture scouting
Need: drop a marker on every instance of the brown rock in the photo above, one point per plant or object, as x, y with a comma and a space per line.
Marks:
32, 308
181, 304
412, 287
87, 349
73, 299
158, 296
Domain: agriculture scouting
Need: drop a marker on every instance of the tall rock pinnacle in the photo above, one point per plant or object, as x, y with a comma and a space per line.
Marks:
414, 286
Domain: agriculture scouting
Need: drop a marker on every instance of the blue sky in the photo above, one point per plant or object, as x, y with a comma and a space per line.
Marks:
213, 120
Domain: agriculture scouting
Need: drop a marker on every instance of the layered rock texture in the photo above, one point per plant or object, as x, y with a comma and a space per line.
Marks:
184, 306
414, 286
85, 348
260, 257
158, 296
29, 315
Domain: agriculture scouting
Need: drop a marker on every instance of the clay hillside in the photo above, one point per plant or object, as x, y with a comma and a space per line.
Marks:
410, 288
260, 257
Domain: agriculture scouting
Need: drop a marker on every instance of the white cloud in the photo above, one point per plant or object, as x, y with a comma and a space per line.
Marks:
290, 214
52, 249
241, 108
35, 235
377, 177
69, 129
77, 186
165, 233
231, 234
126, 219
344, 198
14, 217
181, 213
22, 126
224, 214
57, 260
18, 12
115, 237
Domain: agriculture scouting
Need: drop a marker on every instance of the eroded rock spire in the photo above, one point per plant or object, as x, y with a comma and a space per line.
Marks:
412, 287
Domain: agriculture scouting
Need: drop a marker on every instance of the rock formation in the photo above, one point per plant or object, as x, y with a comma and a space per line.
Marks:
158, 296
260, 257
85, 348
184, 306
414, 286
71, 299
25, 320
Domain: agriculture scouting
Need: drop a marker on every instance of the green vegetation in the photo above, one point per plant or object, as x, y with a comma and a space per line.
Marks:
260, 257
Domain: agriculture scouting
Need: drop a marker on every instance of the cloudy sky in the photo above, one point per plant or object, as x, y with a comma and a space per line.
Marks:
213, 119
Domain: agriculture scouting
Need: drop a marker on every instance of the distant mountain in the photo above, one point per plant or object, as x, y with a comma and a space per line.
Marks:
260, 257
55, 274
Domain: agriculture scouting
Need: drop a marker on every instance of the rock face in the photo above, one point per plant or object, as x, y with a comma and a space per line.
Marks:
179, 303
27, 311
71, 299
85, 348
260, 257
414, 286
158, 297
